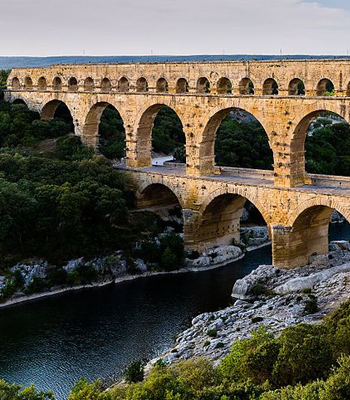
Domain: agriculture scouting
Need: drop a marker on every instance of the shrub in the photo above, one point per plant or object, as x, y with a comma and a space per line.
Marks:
134, 372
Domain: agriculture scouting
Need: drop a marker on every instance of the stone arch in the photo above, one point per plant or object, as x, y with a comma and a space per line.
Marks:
182, 86
158, 194
219, 219
325, 202
348, 90
143, 127
89, 84
19, 100
162, 85
309, 231
72, 84
16, 85
42, 84
224, 86
324, 86
92, 123
106, 85
142, 85
246, 86
28, 83
296, 87
297, 146
57, 83
207, 143
49, 109
203, 85
123, 84
270, 87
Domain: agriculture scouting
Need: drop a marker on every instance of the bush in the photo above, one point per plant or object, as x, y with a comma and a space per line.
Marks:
134, 372
17, 392
83, 390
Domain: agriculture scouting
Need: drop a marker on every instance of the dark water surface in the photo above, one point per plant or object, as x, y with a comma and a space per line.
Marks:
95, 333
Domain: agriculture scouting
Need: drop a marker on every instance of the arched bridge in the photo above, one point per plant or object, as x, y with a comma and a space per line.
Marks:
284, 97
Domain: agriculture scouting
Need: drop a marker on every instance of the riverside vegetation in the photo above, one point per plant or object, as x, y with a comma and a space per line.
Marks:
59, 201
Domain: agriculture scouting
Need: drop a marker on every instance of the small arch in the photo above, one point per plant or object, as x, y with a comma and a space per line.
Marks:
348, 90
42, 84
224, 86
296, 87
106, 85
182, 86
325, 87
89, 84
57, 83
203, 85
270, 87
16, 85
123, 85
162, 85
142, 85
72, 84
246, 86
28, 83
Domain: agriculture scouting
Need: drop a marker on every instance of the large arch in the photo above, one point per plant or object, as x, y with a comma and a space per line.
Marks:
156, 194
92, 122
144, 127
219, 220
297, 147
57, 109
207, 144
309, 231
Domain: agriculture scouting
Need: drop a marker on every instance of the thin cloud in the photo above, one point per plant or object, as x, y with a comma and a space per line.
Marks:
46, 27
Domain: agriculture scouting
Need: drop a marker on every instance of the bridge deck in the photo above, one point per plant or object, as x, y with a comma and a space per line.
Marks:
335, 188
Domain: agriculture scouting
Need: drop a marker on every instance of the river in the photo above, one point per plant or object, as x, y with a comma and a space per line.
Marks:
97, 332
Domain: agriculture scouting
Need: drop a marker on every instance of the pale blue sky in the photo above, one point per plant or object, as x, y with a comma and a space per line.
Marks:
135, 27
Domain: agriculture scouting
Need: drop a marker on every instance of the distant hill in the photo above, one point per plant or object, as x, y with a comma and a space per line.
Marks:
12, 62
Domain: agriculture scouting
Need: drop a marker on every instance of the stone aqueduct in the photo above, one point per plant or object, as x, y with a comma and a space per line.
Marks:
284, 97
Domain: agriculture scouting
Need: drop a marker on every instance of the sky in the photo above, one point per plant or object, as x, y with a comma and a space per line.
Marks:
174, 27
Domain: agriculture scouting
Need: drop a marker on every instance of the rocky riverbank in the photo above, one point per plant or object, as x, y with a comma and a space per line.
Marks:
271, 297
39, 279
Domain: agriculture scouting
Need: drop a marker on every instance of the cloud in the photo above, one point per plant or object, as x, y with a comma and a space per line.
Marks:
43, 27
